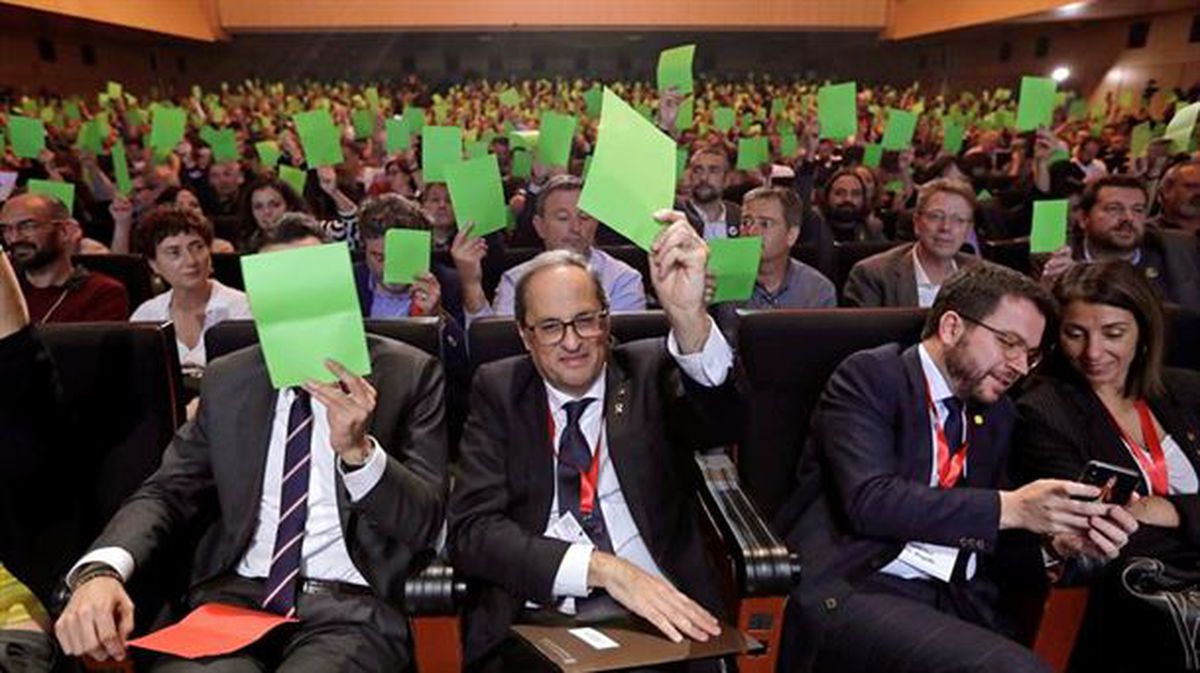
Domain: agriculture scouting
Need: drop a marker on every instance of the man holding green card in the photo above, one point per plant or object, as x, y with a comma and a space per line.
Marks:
710, 214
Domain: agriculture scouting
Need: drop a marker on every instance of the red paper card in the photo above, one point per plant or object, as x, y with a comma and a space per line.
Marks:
212, 630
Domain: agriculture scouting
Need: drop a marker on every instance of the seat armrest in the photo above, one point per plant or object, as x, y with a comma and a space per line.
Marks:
434, 591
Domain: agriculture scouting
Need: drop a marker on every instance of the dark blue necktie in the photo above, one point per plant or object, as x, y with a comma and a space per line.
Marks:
575, 460
293, 509
954, 423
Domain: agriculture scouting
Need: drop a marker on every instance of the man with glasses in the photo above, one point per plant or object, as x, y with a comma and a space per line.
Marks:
910, 275
1114, 227
899, 512
574, 496
562, 226
39, 234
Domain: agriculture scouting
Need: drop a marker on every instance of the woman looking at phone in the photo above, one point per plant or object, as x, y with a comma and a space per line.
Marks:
1107, 397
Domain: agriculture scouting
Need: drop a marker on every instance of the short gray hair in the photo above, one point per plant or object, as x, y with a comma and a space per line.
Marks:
549, 259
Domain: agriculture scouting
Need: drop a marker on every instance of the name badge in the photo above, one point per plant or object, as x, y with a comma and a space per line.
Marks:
932, 559
567, 529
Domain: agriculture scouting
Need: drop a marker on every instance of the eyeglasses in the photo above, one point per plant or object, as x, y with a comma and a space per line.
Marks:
750, 224
586, 325
939, 217
22, 228
1012, 344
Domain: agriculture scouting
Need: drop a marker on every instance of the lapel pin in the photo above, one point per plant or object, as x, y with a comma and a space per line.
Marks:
1191, 436
1151, 272
619, 408
978, 419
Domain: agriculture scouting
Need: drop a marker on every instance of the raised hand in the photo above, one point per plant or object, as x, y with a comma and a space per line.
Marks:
349, 404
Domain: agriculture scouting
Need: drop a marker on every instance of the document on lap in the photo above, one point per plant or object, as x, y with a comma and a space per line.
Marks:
212, 630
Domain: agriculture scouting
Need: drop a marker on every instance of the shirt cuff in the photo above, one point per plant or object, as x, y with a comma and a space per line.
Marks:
711, 365
571, 578
360, 482
114, 557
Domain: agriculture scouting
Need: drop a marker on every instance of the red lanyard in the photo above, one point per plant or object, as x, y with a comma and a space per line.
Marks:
949, 468
588, 480
1154, 467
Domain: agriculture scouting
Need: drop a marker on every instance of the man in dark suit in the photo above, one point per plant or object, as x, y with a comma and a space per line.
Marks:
314, 502
574, 494
710, 214
897, 512
910, 275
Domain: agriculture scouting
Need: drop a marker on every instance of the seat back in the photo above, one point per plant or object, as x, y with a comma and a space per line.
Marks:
788, 357
849, 253
497, 337
1012, 252
231, 335
1182, 335
131, 270
227, 268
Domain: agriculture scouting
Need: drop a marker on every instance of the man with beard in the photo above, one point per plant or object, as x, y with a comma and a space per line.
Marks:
1179, 195
435, 201
1114, 227
899, 512
562, 226
40, 234
709, 214
846, 207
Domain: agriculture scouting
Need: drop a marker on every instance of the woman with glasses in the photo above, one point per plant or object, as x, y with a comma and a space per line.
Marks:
1107, 397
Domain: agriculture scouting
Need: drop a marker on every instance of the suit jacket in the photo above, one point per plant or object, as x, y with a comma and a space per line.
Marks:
733, 217
1064, 425
654, 418
212, 472
862, 490
887, 279
1170, 260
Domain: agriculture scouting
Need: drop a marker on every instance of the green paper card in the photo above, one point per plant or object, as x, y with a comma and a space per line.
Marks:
399, 138
1049, 232
363, 122
901, 125
778, 106
71, 108
587, 164
120, 161
477, 193
114, 90
752, 153
522, 164
372, 94
63, 191
675, 69
788, 144
1078, 109
1035, 106
477, 148
895, 186
405, 255
91, 138
953, 134
319, 138
1182, 125
294, 177
592, 100
523, 140
872, 155
27, 136
556, 132
510, 98
632, 174
268, 152
723, 119
1140, 139
681, 160
167, 125
734, 263
306, 311
687, 115
440, 147
983, 195
837, 110
224, 145
414, 117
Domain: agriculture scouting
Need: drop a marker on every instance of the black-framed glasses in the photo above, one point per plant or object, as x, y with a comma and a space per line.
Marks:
586, 325
1012, 344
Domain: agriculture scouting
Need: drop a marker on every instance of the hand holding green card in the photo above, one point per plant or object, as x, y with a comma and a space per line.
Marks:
120, 163
27, 136
320, 139
440, 147
477, 194
734, 262
1182, 126
306, 311
1035, 106
1049, 232
405, 255
167, 125
675, 69
837, 110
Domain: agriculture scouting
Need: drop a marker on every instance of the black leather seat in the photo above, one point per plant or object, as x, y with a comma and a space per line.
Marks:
231, 335
1182, 337
131, 270
1012, 252
849, 253
497, 337
227, 268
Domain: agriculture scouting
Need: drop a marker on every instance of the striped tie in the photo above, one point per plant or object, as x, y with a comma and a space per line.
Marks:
293, 509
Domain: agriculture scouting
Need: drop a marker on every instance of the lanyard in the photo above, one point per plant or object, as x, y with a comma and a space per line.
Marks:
949, 468
587, 480
1154, 466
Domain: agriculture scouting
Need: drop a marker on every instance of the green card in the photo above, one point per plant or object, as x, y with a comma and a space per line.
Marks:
1183, 124
268, 152
587, 164
1078, 109
414, 117
1035, 106
788, 144
632, 174
522, 164
71, 108
63, 191
681, 160
734, 263
1049, 232
224, 145
319, 138
983, 196
872, 155
901, 125
592, 99
91, 137
510, 98
120, 162
953, 134
399, 138
306, 311
778, 107
687, 115
405, 255
294, 177
440, 147
747, 122
1140, 139
895, 186
477, 148
752, 153
837, 110
114, 90
675, 69
167, 125
372, 94
523, 140
477, 193
723, 119
363, 122
556, 133
27, 136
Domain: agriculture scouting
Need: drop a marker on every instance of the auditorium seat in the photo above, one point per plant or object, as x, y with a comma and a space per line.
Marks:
231, 335
495, 338
849, 253
1182, 336
1012, 252
131, 270
227, 268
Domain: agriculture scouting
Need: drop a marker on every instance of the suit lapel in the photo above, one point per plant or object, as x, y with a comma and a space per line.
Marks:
531, 428
905, 280
919, 464
625, 444
255, 418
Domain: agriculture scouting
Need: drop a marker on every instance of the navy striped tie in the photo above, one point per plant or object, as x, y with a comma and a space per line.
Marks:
293, 509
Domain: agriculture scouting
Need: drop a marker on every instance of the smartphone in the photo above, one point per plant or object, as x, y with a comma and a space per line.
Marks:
1117, 484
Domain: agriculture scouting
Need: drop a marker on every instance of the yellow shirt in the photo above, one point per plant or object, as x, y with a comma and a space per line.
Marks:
19, 608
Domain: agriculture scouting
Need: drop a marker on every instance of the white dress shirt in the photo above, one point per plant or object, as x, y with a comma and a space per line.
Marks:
709, 367
224, 303
926, 289
939, 390
324, 555
1181, 476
